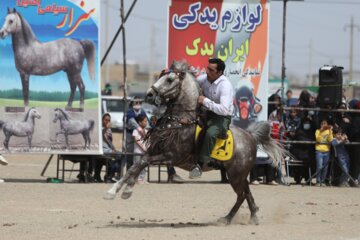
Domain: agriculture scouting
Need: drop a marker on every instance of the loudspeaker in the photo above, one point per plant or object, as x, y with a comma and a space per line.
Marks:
330, 86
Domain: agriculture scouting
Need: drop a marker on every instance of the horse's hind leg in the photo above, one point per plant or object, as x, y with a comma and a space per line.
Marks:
72, 89
6, 141
25, 87
29, 141
79, 82
85, 136
252, 206
238, 186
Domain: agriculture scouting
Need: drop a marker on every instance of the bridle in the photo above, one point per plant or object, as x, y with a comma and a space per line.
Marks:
170, 120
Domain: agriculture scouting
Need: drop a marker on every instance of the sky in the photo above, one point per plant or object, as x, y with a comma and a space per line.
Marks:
317, 33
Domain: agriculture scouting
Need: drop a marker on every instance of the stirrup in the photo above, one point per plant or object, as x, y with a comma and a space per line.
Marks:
195, 172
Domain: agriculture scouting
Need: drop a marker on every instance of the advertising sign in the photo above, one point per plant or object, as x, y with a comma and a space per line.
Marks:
49, 81
236, 31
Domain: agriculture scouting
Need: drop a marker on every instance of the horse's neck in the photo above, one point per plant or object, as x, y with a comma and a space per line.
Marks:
31, 120
24, 37
187, 100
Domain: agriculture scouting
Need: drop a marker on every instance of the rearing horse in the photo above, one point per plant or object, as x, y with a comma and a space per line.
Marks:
173, 138
33, 57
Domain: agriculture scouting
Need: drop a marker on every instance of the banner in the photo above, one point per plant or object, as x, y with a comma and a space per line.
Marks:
236, 31
49, 82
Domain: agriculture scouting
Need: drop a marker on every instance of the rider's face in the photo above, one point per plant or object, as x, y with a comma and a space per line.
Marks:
212, 72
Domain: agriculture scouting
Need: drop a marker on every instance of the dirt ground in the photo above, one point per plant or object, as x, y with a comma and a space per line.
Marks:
30, 208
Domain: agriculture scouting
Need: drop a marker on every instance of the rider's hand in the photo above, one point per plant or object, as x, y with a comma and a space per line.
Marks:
201, 99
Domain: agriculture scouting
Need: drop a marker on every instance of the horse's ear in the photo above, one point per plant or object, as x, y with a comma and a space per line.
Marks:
182, 75
15, 10
8, 10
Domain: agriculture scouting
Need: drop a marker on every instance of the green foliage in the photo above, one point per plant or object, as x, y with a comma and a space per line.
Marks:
44, 96
89, 103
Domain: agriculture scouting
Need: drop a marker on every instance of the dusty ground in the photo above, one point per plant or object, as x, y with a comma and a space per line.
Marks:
30, 208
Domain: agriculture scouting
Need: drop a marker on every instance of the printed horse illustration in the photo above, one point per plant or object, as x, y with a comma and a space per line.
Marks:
73, 127
33, 57
24, 128
174, 139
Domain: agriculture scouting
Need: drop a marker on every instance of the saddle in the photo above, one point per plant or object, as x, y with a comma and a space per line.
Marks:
224, 146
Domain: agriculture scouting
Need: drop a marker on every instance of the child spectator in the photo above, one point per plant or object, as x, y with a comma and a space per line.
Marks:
342, 156
292, 123
139, 146
323, 137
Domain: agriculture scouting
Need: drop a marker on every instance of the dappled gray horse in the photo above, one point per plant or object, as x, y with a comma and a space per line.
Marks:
23, 128
69, 126
173, 138
33, 57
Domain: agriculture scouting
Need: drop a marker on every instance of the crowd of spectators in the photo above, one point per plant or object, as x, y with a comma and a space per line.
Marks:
323, 138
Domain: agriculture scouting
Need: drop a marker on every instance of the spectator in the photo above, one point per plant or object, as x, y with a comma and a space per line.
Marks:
108, 148
290, 101
342, 155
343, 120
354, 136
262, 165
323, 138
131, 124
306, 101
303, 152
292, 123
276, 103
140, 146
3, 162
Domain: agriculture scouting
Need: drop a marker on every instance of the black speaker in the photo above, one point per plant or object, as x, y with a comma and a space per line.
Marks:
330, 86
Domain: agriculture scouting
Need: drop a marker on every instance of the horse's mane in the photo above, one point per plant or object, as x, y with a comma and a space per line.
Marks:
66, 115
183, 67
26, 30
28, 114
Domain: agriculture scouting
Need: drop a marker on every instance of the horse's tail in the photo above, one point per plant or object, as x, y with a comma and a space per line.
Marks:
89, 49
261, 132
92, 123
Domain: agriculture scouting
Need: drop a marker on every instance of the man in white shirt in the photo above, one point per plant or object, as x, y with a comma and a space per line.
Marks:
218, 100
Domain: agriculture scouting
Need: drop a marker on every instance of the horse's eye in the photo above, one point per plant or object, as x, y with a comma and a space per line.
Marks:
11, 21
170, 80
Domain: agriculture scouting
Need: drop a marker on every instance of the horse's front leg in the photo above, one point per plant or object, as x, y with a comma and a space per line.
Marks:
66, 141
6, 141
25, 87
29, 140
129, 179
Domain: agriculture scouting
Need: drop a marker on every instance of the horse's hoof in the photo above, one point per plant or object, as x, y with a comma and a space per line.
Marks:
224, 220
254, 221
109, 196
127, 193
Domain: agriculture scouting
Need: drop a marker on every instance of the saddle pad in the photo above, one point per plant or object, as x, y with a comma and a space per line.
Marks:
223, 149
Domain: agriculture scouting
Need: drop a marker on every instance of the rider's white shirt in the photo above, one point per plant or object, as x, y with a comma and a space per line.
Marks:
219, 95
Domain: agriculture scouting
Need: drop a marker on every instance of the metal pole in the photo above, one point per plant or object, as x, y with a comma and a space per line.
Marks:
122, 10
283, 68
117, 33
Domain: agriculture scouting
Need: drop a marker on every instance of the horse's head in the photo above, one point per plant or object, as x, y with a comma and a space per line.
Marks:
11, 25
31, 114
168, 86
35, 113
57, 115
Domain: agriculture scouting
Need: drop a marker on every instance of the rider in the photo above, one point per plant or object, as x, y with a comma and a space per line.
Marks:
218, 101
